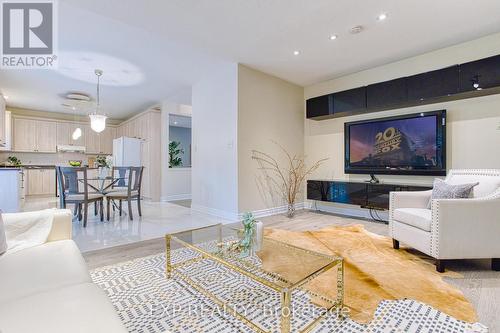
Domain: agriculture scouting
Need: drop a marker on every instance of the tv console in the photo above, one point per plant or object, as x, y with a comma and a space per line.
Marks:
359, 193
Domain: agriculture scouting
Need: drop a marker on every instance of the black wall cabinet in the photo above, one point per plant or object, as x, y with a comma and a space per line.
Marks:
319, 106
484, 72
352, 100
386, 94
442, 82
451, 83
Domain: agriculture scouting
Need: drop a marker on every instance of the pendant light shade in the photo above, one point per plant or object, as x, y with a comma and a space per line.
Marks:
98, 121
77, 133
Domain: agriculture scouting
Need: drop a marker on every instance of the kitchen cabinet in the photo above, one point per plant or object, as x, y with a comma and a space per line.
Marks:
3, 129
106, 140
24, 138
65, 134
92, 142
32, 135
99, 143
46, 136
40, 181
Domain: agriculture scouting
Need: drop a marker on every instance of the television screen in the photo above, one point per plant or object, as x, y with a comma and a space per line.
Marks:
406, 144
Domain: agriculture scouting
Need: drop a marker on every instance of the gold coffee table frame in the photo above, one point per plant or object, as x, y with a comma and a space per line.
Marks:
285, 291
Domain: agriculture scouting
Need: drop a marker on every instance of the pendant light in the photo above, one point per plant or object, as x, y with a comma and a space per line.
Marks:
98, 121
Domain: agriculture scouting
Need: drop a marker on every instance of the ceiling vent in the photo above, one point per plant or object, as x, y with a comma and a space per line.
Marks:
356, 30
74, 96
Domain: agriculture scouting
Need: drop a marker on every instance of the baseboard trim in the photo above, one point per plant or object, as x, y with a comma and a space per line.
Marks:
228, 217
272, 211
175, 197
235, 217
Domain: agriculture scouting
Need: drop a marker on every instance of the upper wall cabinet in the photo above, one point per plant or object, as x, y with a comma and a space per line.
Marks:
319, 106
386, 94
439, 83
485, 73
65, 134
472, 79
352, 100
32, 135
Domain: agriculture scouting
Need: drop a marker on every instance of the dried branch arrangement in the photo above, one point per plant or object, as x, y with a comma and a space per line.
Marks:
285, 180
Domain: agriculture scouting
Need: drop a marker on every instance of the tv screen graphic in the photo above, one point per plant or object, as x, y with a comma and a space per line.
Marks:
408, 143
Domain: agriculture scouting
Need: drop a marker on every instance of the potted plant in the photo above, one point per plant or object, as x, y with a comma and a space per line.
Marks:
174, 151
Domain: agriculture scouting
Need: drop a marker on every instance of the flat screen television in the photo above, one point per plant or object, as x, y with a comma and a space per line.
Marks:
412, 144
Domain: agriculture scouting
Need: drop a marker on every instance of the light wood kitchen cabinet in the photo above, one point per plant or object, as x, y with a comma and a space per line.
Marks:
3, 139
34, 135
40, 182
99, 143
106, 140
92, 142
24, 134
65, 134
46, 136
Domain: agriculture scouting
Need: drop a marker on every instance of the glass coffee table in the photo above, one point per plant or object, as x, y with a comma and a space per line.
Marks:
208, 261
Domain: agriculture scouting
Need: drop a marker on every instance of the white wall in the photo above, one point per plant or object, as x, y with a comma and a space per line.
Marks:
473, 124
269, 110
215, 157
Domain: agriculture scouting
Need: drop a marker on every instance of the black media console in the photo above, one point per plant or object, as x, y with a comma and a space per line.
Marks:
364, 194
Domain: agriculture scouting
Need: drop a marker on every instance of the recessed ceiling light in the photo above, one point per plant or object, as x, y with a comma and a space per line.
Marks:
333, 37
296, 52
175, 123
382, 17
5, 96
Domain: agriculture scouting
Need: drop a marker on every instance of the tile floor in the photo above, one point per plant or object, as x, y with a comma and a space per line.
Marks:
158, 218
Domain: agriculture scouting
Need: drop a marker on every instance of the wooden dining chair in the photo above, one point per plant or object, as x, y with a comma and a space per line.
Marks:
74, 189
128, 188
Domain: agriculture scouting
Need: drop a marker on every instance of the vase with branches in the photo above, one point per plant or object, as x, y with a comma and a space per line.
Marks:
285, 179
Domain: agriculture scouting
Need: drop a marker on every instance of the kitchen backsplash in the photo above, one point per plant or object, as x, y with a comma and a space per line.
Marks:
47, 159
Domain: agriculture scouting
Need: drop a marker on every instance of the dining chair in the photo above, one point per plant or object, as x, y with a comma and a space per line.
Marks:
74, 189
128, 187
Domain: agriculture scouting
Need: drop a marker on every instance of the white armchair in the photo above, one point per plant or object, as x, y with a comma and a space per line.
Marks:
452, 228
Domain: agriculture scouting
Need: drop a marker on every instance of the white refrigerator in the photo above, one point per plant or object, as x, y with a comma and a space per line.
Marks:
127, 152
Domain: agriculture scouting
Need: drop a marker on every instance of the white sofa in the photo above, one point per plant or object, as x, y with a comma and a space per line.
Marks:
452, 228
47, 288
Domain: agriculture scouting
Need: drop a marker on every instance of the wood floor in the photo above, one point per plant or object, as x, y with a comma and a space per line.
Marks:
479, 284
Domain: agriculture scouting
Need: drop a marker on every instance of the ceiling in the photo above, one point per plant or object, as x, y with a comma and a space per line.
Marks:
156, 50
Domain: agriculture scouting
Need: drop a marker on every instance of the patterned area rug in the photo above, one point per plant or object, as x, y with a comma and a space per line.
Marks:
147, 301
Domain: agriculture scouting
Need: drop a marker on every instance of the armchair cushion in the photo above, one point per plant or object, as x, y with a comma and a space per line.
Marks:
443, 190
417, 217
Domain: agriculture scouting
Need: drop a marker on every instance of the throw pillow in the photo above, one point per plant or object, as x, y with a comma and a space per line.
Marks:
443, 190
3, 240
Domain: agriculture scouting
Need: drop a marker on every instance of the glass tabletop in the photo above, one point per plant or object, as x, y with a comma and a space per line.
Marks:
274, 263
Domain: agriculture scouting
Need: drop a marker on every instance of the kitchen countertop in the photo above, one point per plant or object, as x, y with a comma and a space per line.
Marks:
9, 169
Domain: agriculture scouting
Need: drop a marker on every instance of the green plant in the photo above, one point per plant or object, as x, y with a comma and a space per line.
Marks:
102, 162
174, 151
14, 161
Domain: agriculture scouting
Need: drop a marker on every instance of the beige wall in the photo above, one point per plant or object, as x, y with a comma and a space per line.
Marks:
269, 109
473, 131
